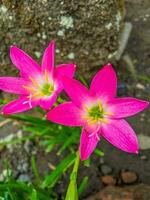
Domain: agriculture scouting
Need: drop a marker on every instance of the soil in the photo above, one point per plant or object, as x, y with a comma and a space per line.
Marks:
136, 58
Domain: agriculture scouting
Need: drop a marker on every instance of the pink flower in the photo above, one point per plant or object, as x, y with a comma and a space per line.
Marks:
37, 85
99, 112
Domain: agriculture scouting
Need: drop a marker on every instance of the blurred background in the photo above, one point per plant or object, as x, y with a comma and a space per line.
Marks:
90, 34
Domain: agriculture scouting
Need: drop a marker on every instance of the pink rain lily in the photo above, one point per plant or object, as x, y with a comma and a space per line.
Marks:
99, 112
37, 85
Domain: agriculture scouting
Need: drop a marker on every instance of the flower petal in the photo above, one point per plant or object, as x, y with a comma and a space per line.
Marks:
104, 82
66, 114
65, 70
59, 73
18, 106
124, 107
77, 92
87, 144
13, 85
46, 103
26, 65
48, 58
121, 135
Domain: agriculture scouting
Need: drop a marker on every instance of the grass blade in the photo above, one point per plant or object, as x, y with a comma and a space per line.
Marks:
35, 170
52, 178
83, 185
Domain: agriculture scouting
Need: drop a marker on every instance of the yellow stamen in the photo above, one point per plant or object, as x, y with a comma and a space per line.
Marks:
108, 113
46, 75
103, 120
92, 122
29, 88
87, 117
100, 106
50, 89
34, 82
39, 94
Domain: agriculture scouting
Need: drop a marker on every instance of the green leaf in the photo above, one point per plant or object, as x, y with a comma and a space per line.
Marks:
34, 195
99, 152
35, 170
83, 185
87, 162
80, 77
22, 188
12, 197
66, 143
31, 119
50, 180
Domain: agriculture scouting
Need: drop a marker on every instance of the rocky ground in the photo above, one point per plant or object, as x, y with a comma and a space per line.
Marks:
117, 175
83, 31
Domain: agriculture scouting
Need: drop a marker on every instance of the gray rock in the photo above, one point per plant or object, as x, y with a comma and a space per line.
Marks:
86, 32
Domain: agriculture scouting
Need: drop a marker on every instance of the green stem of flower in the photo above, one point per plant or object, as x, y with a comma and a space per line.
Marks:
72, 192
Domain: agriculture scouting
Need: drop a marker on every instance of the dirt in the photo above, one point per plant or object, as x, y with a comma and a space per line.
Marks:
137, 50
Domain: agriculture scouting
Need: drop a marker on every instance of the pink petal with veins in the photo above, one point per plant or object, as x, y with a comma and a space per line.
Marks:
87, 144
20, 105
120, 134
66, 114
13, 85
125, 107
61, 71
26, 65
65, 70
77, 92
48, 58
46, 103
104, 82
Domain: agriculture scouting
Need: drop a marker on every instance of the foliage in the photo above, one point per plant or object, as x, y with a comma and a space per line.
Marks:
48, 135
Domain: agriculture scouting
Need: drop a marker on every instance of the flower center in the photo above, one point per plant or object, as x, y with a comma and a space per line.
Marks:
38, 90
47, 89
96, 113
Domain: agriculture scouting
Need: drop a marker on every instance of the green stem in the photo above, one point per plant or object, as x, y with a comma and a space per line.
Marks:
72, 192
76, 166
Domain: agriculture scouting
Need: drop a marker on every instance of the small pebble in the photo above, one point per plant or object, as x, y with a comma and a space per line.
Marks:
108, 180
143, 157
140, 86
106, 169
19, 134
71, 55
23, 167
37, 54
24, 178
27, 146
128, 177
101, 160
